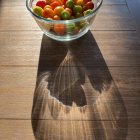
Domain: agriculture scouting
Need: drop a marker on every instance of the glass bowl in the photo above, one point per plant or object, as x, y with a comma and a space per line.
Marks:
68, 29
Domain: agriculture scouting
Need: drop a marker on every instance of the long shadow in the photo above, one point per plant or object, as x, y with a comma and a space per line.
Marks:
75, 95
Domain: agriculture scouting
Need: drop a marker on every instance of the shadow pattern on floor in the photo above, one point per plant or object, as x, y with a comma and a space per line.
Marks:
75, 96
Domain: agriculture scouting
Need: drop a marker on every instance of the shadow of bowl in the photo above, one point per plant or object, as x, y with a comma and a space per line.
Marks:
75, 95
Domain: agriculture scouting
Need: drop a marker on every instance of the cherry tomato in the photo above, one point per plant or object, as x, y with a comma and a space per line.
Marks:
80, 2
69, 4
56, 17
48, 1
76, 30
38, 10
59, 29
77, 9
58, 10
60, 1
47, 6
63, 2
89, 5
65, 15
55, 4
87, 12
83, 24
41, 3
48, 13
70, 27
69, 10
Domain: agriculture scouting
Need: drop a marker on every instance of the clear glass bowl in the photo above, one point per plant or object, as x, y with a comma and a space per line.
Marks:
71, 29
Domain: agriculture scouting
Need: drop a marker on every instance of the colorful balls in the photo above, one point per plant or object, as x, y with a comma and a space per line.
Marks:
38, 10
77, 9
56, 17
87, 12
65, 15
63, 9
41, 3
59, 29
55, 4
58, 10
69, 10
80, 2
47, 6
70, 27
48, 13
89, 5
69, 4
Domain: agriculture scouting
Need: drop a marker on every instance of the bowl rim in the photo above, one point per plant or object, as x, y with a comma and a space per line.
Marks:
64, 21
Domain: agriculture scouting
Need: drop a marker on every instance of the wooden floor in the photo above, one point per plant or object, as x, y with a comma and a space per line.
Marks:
91, 92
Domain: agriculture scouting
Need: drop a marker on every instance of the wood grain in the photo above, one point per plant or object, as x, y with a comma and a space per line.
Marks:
17, 89
23, 131
23, 49
109, 56
134, 7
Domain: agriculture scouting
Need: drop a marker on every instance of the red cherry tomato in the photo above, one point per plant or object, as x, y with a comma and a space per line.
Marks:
48, 13
55, 4
63, 2
41, 3
58, 10
89, 5
56, 17
59, 29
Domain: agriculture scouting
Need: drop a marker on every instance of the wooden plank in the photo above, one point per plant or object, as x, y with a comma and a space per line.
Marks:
17, 87
110, 17
114, 2
134, 8
23, 130
25, 48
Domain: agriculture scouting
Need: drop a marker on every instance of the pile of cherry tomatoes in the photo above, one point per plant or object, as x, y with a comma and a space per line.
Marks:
63, 9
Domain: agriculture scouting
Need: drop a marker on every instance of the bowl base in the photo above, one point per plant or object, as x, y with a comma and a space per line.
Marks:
66, 37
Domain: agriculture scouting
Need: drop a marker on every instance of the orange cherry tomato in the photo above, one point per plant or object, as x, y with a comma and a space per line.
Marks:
58, 10
80, 2
48, 2
48, 13
59, 29
56, 17
69, 10
55, 4
47, 6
